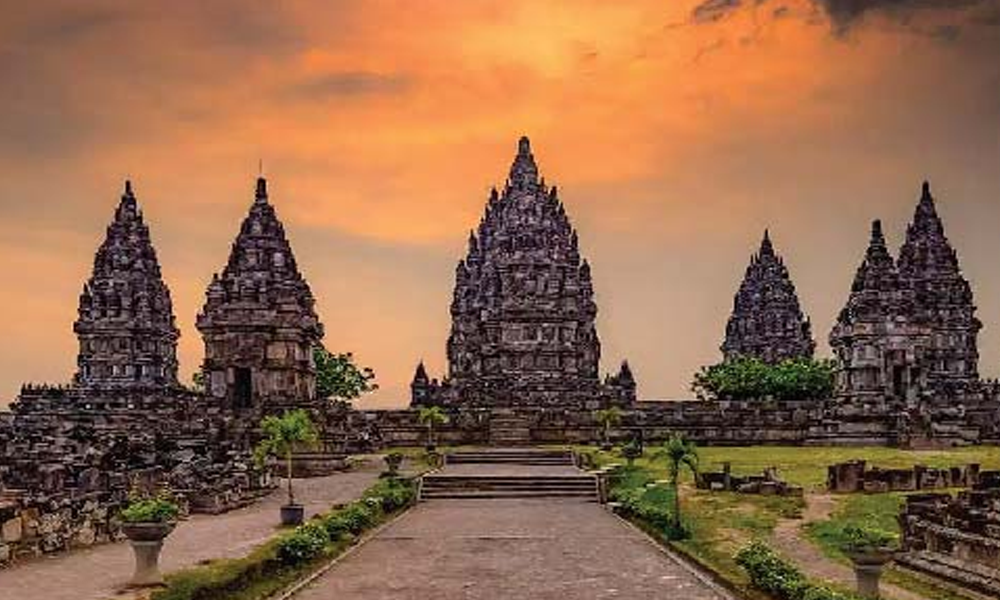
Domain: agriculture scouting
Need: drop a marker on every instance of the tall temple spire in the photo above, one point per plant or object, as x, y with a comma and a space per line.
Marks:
767, 321
259, 321
928, 265
523, 308
125, 324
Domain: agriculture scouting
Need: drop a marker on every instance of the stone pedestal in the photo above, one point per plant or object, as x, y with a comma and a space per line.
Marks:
147, 542
868, 571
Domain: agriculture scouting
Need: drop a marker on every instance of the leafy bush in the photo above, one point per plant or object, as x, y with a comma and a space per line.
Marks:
751, 378
648, 505
771, 574
303, 544
858, 539
157, 509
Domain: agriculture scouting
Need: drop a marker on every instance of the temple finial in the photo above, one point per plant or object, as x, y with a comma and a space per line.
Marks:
261, 195
766, 247
128, 188
877, 236
926, 191
524, 171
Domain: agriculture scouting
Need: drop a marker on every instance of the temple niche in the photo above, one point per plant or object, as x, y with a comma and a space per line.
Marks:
259, 323
523, 309
908, 332
125, 325
767, 322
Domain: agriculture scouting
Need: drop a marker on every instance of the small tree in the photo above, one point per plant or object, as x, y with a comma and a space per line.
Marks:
339, 378
431, 417
607, 418
281, 435
679, 453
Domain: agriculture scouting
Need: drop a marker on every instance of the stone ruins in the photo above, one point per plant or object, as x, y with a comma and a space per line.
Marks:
767, 321
259, 323
908, 334
523, 310
523, 366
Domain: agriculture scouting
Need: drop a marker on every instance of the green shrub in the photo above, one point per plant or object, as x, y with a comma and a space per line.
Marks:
649, 505
303, 544
857, 539
747, 378
158, 509
771, 574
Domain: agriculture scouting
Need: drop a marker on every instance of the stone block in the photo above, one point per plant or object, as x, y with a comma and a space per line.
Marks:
12, 531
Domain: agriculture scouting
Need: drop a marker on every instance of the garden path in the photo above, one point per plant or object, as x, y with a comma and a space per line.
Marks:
509, 548
100, 572
789, 539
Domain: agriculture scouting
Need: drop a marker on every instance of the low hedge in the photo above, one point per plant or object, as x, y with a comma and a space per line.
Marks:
288, 556
773, 575
650, 507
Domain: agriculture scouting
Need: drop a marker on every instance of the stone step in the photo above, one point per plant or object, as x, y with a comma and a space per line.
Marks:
589, 496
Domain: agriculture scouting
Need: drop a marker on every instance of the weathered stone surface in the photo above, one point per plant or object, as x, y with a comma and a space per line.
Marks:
11, 531
126, 323
259, 322
767, 321
523, 309
908, 333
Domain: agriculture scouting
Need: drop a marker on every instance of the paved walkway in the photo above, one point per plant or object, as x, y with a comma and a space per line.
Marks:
508, 548
99, 573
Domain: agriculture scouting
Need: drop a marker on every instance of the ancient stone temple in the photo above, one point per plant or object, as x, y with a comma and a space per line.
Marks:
259, 322
523, 309
879, 347
126, 328
908, 331
767, 321
943, 301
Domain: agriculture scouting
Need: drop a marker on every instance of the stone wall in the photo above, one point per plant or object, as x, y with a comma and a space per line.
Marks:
705, 422
70, 456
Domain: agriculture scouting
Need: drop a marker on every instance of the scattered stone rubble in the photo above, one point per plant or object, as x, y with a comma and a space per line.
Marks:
855, 476
957, 538
766, 484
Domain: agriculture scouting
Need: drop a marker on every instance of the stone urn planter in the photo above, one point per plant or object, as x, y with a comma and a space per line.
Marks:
146, 539
868, 567
292, 514
393, 460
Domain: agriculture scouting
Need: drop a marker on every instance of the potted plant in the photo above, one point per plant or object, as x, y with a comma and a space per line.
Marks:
392, 462
431, 417
869, 550
281, 435
607, 418
146, 522
632, 451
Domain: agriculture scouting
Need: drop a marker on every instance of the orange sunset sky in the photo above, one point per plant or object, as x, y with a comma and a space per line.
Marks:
676, 131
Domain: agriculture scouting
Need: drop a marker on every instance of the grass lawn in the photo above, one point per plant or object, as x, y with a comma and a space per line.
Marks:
722, 522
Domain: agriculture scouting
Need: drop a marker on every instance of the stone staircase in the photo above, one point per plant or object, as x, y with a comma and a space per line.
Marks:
509, 429
543, 474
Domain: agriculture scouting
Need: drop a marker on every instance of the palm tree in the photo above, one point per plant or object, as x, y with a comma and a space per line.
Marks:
281, 435
607, 418
679, 453
430, 417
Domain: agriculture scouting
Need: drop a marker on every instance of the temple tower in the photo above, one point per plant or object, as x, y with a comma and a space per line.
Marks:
767, 322
125, 324
943, 299
879, 348
523, 307
259, 323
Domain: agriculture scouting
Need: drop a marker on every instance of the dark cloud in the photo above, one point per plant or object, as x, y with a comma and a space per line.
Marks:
710, 11
845, 14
